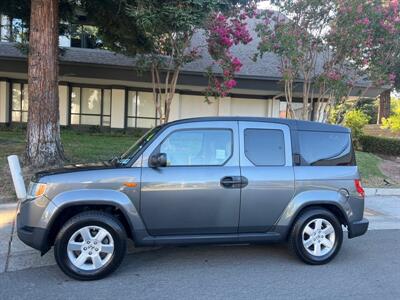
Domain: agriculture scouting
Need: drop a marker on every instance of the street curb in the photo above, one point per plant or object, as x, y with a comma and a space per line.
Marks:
381, 192
8, 205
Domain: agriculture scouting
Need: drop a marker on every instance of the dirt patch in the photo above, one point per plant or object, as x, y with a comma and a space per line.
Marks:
391, 169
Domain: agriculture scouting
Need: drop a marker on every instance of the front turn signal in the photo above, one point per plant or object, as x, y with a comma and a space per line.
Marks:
40, 189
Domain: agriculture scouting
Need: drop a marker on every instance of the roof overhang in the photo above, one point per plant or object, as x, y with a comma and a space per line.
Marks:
115, 73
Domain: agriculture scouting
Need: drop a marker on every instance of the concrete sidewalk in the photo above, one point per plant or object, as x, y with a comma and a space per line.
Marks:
383, 212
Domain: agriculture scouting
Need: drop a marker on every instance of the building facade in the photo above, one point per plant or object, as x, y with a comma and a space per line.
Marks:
101, 88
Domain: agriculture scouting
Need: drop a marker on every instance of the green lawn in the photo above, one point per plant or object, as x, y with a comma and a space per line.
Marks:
368, 166
78, 146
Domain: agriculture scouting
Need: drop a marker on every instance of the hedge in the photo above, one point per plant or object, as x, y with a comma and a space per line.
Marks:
380, 145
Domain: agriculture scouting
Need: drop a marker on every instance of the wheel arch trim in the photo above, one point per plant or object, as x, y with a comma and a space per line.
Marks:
93, 197
312, 198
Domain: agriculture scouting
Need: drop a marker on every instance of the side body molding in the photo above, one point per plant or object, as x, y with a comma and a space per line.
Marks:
308, 198
93, 197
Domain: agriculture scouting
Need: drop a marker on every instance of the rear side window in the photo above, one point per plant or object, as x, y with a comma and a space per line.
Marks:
326, 148
265, 147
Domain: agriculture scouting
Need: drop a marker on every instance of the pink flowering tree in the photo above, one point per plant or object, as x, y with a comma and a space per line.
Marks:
327, 46
223, 33
168, 29
296, 33
372, 30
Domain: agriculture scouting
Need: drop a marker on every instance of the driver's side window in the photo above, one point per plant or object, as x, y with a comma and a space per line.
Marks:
198, 147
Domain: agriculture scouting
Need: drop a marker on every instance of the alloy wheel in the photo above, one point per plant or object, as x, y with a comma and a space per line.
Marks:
90, 248
318, 237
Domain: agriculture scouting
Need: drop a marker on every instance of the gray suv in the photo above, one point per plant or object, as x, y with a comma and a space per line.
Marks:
201, 181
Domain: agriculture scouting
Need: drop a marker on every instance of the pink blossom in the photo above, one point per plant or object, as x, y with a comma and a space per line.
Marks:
363, 21
237, 64
230, 83
392, 77
333, 75
366, 21
223, 33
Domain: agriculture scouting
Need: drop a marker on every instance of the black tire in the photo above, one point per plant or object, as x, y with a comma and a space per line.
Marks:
81, 220
296, 236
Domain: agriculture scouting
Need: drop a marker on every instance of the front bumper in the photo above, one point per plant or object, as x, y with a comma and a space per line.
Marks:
358, 228
34, 237
30, 229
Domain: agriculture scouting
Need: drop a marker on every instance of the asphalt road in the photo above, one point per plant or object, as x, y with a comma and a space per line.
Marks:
366, 268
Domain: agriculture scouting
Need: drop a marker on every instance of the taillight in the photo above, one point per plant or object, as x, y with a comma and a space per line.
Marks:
359, 188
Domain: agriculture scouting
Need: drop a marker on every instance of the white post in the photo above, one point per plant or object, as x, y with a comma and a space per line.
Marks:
16, 175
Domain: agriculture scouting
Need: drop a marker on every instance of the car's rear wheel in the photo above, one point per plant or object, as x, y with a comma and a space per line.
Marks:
90, 245
316, 236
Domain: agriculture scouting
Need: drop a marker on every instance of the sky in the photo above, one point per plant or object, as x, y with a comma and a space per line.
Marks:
266, 4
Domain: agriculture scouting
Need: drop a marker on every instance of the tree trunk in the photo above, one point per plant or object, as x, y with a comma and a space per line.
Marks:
43, 145
384, 106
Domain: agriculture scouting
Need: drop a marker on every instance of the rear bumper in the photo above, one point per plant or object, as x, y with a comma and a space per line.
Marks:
358, 228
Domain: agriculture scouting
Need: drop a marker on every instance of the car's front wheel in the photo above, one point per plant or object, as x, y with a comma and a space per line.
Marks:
316, 236
90, 245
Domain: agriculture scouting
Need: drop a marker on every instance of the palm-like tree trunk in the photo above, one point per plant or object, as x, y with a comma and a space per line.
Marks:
43, 131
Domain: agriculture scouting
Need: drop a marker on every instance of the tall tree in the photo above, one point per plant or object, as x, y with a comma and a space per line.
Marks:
159, 35
372, 30
350, 39
41, 18
296, 33
43, 145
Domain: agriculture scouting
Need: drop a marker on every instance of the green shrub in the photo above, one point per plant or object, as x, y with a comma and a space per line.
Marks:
393, 122
356, 120
380, 145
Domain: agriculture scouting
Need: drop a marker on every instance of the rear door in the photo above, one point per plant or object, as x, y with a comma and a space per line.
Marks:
266, 162
195, 193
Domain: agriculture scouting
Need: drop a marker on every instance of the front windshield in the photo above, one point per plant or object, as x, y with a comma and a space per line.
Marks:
131, 152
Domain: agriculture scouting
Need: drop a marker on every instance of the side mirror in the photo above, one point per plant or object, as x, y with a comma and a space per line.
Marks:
158, 160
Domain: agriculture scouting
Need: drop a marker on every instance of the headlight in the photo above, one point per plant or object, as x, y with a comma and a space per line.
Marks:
36, 189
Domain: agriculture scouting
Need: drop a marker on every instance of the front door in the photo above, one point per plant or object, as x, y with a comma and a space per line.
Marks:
266, 162
195, 193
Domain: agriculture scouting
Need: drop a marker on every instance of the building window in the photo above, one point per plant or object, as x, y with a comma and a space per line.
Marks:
141, 111
90, 106
19, 105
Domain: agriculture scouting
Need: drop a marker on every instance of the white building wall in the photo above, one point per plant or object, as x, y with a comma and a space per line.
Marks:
249, 107
183, 106
189, 106
175, 109
4, 96
63, 104
195, 106
117, 108
275, 108
224, 106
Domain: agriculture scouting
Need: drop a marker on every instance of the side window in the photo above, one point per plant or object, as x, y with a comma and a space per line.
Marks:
326, 148
198, 147
265, 147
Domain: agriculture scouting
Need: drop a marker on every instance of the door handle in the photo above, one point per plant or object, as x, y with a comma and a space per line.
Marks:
234, 182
